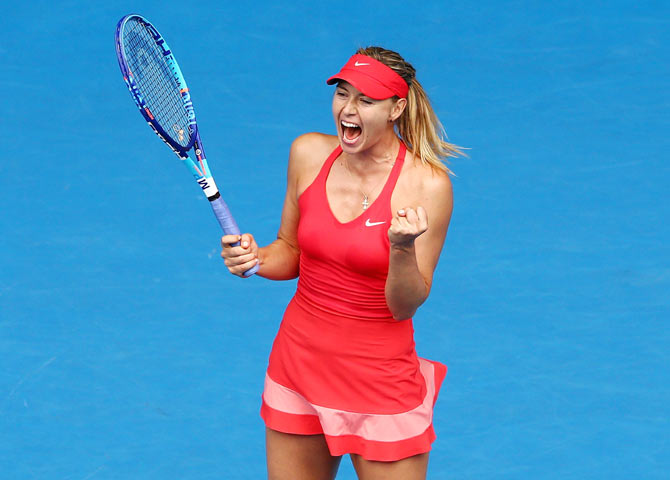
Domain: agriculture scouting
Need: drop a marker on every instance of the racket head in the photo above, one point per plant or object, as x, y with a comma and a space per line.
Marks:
156, 83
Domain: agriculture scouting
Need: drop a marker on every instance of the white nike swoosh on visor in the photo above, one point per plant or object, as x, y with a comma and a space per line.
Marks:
368, 223
357, 64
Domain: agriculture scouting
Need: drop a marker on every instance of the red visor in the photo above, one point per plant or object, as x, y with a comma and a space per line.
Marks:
372, 78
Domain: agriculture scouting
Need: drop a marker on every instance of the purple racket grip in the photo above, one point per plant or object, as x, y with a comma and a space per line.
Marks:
228, 225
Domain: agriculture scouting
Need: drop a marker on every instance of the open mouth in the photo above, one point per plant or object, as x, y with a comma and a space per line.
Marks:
350, 132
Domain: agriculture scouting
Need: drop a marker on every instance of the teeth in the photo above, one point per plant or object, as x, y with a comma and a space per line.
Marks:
351, 125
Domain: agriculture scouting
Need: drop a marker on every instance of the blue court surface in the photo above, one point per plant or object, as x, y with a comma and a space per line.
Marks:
128, 352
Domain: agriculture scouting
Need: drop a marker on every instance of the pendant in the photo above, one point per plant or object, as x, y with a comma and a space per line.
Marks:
365, 202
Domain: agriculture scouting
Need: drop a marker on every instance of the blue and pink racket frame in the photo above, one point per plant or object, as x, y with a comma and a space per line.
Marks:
200, 168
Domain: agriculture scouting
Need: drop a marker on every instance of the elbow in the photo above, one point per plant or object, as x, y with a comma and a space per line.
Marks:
406, 311
403, 315
403, 304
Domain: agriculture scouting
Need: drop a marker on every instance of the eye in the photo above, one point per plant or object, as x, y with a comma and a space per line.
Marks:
366, 101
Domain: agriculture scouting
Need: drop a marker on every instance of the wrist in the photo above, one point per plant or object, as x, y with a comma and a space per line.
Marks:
404, 247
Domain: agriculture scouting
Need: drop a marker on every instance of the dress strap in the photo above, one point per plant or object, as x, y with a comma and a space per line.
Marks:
325, 168
387, 191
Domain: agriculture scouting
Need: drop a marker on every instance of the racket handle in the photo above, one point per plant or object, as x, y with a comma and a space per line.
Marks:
228, 225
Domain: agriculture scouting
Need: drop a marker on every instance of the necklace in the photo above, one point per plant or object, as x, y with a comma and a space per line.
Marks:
366, 202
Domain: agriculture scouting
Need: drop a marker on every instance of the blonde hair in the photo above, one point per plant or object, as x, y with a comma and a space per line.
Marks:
418, 126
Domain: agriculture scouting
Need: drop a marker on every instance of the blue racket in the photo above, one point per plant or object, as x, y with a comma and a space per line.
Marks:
158, 87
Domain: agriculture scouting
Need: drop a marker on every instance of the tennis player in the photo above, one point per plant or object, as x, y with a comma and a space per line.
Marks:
364, 220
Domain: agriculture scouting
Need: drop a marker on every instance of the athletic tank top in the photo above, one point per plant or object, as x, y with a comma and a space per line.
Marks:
343, 266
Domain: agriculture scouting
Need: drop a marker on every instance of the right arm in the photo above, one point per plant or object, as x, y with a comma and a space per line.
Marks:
280, 259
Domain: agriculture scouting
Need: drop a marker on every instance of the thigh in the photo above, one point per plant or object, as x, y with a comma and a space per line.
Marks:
299, 457
411, 468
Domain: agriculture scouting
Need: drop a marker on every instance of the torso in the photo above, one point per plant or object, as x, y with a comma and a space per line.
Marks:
344, 197
344, 262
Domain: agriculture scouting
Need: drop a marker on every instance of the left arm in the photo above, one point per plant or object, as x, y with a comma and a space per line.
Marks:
416, 237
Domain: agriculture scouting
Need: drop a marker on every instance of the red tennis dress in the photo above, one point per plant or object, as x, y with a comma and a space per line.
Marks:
340, 364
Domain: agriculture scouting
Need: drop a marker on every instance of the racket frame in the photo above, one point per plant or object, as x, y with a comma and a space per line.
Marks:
199, 168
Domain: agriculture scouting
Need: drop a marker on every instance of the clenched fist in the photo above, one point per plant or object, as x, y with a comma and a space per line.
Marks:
407, 225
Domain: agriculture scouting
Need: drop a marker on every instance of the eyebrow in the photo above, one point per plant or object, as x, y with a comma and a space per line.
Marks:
358, 93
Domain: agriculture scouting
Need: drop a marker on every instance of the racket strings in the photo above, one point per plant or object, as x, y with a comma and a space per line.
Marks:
156, 82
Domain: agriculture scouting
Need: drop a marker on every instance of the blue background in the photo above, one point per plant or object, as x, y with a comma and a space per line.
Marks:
127, 351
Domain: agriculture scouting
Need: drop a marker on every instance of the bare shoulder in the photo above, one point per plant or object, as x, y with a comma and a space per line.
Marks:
308, 153
421, 184
436, 184
311, 148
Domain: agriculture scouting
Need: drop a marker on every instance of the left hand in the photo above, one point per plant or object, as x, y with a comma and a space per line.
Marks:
407, 225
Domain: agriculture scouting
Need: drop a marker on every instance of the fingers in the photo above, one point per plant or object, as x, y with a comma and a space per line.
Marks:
228, 240
413, 219
239, 253
244, 240
407, 225
245, 263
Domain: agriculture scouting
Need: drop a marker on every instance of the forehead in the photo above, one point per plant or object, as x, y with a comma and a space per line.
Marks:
343, 84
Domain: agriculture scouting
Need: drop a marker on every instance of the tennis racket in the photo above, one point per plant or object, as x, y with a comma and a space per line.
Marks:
158, 87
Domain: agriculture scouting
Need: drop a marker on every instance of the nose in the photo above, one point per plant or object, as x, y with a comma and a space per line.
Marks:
349, 107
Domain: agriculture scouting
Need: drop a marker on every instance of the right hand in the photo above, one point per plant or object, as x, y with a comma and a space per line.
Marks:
241, 258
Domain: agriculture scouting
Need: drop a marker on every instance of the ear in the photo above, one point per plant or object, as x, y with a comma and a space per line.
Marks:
397, 109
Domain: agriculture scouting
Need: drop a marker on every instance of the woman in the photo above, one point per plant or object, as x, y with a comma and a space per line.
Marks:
364, 220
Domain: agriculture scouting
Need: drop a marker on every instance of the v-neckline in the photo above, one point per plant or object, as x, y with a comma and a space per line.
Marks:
396, 165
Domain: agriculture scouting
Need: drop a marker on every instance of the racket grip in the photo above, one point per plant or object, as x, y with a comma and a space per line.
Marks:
228, 225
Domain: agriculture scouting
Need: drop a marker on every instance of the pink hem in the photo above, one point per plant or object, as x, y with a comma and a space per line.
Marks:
374, 437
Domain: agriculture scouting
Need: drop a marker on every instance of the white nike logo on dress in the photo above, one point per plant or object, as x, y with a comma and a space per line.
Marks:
368, 223
358, 64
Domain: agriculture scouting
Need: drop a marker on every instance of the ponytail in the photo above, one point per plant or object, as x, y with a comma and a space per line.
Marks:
418, 126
